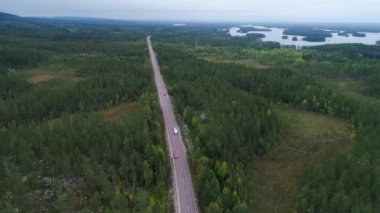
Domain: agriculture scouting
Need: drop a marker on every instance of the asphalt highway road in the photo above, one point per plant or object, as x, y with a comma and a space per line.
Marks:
184, 197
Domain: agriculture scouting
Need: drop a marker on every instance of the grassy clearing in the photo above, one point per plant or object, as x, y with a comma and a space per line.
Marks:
352, 88
349, 86
246, 62
117, 111
281, 56
226, 55
40, 76
251, 57
309, 137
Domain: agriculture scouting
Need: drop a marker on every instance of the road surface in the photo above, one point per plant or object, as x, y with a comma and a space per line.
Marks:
184, 197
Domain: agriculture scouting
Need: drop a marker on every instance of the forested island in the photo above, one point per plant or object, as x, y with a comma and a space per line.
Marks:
314, 39
249, 29
255, 35
310, 34
357, 34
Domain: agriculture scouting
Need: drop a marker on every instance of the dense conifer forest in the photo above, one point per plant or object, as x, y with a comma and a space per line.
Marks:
59, 151
227, 93
81, 129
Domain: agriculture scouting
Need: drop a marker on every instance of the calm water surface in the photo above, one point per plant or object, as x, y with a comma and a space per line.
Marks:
276, 35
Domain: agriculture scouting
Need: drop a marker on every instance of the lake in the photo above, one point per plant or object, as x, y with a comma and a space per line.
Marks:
276, 35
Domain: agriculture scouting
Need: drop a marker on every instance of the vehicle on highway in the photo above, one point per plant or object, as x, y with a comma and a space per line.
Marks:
175, 130
175, 156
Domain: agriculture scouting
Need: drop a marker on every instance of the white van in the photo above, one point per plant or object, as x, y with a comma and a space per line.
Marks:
175, 130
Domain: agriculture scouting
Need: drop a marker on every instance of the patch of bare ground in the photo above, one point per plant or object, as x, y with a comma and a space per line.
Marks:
40, 76
246, 62
115, 112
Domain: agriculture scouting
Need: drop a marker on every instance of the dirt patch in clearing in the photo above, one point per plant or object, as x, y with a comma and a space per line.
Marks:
41, 76
115, 112
246, 62
249, 63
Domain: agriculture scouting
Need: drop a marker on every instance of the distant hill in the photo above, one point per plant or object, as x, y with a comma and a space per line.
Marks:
98, 21
7, 16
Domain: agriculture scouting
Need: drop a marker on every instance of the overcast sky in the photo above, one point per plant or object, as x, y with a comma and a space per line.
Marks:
203, 10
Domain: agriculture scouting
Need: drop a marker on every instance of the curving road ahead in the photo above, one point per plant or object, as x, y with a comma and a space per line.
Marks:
184, 198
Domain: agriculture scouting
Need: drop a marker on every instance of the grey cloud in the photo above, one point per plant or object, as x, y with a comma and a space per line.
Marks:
210, 10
